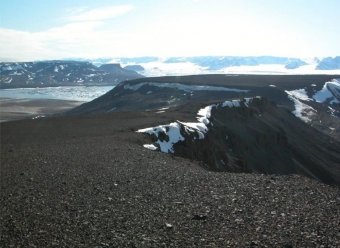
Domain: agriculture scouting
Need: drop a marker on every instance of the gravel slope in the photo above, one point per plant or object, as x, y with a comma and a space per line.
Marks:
16, 109
87, 181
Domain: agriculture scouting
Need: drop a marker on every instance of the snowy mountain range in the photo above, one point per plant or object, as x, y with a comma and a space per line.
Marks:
111, 71
230, 64
61, 73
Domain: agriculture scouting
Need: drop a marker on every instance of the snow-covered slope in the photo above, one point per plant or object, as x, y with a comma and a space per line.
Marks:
302, 111
168, 135
329, 93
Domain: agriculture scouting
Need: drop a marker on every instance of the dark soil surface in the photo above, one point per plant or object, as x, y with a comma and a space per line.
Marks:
17, 109
87, 181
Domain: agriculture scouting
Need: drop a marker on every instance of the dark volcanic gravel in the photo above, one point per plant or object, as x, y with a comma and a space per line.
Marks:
88, 182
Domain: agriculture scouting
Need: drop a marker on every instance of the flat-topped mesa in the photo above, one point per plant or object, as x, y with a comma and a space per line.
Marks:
113, 68
136, 68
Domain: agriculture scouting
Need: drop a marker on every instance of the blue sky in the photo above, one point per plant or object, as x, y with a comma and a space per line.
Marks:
41, 29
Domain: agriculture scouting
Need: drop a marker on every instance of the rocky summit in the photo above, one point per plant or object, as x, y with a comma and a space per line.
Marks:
192, 161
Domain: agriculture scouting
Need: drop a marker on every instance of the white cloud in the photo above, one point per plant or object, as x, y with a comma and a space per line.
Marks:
100, 13
80, 37
20, 45
92, 33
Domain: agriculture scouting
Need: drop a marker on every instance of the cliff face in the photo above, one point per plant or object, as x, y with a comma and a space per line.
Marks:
258, 137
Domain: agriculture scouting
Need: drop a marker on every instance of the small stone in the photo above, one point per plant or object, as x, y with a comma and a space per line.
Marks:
168, 225
199, 217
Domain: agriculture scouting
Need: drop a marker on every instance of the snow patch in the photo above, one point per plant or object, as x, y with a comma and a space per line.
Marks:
172, 131
302, 111
151, 147
163, 108
299, 94
9, 81
333, 112
111, 110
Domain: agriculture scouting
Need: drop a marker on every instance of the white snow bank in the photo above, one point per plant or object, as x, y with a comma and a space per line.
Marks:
299, 94
302, 111
184, 87
150, 146
172, 130
330, 90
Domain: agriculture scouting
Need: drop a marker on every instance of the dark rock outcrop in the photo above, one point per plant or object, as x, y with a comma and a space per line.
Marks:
263, 138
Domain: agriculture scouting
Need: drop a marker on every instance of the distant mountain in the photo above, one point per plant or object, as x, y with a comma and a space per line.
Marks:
117, 69
329, 64
212, 64
294, 63
138, 60
217, 63
136, 68
61, 73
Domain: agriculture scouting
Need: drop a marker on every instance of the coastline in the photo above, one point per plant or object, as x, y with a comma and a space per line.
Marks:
17, 109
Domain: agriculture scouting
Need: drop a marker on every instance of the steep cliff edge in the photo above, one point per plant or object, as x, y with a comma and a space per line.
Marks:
252, 136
